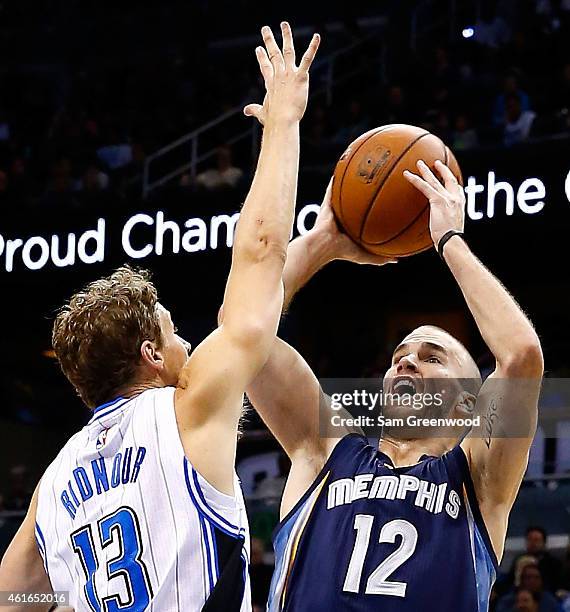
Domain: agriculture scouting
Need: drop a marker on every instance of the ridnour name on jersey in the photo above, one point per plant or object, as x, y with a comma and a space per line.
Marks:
423, 494
100, 476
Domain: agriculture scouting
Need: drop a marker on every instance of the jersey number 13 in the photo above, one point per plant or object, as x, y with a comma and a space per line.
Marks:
121, 530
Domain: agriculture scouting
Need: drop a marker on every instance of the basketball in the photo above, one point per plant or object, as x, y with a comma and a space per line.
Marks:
374, 203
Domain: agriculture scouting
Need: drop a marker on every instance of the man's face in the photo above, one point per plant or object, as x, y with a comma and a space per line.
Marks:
534, 542
175, 350
531, 579
427, 361
524, 602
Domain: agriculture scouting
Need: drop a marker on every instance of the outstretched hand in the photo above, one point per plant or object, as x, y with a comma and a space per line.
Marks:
447, 200
286, 85
342, 246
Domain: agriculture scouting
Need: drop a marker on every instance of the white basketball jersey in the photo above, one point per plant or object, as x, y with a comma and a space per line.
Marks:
124, 522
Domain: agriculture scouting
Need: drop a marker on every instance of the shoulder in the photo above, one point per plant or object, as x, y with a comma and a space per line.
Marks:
308, 471
350, 442
348, 451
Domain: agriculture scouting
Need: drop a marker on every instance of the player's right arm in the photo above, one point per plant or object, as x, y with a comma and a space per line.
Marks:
286, 392
22, 569
209, 395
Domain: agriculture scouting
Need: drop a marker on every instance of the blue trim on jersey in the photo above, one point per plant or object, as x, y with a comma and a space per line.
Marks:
97, 415
280, 543
474, 504
315, 483
201, 495
208, 558
210, 528
202, 507
41, 536
114, 401
41, 542
245, 571
485, 571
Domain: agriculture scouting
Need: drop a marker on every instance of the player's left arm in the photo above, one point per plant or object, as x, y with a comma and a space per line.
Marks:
508, 400
22, 569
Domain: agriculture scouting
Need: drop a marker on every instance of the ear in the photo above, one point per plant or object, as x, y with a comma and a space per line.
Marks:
151, 356
465, 404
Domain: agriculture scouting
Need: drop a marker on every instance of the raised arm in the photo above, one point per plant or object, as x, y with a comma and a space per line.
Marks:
286, 393
209, 397
497, 454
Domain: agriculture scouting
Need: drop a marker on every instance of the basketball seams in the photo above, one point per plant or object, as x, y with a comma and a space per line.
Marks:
404, 229
382, 182
407, 227
373, 133
415, 251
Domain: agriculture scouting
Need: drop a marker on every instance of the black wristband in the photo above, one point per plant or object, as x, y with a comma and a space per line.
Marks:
445, 238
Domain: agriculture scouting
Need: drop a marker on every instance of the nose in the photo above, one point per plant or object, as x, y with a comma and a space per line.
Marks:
186, 345
406, 364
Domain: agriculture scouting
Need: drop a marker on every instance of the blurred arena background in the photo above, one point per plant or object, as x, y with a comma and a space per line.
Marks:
130, 113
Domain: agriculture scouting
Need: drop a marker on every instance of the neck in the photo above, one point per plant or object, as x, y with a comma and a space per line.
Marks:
408, 452
138, 387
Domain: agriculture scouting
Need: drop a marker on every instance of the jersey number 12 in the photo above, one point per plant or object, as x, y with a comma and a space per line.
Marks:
377, 583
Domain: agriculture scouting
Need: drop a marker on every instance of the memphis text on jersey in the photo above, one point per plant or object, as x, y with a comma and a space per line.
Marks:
118, 470
423, 494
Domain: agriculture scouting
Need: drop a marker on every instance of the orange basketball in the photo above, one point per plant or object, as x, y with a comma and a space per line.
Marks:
377, 207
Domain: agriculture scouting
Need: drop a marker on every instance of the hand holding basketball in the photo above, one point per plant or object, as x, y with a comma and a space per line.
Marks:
341, 246
447, 201
287, 85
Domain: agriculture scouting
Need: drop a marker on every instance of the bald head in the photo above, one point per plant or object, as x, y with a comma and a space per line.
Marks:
467, 368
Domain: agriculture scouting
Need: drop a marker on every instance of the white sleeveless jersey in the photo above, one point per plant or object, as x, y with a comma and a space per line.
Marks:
124, 522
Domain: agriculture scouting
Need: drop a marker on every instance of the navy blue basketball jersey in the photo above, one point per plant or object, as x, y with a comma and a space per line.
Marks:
370, 536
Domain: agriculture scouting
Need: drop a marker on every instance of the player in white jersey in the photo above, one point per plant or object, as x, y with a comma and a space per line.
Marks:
142, 510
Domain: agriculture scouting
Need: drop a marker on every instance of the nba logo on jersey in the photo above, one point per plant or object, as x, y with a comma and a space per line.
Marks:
101, 438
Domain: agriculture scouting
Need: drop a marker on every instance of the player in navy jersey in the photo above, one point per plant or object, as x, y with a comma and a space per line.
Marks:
142, 509
416, 523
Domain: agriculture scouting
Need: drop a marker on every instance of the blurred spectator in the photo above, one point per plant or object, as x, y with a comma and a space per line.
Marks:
260, 573
61, 181
531, 580
225, 175
525, 601
491, 30
464, 136
549, 566
318, 134
19, 181
443, 71
19, 493
4, 128
560, 96
397, 109
118, 153
518, 122
93, 180
442, 127
354, 123
3, 184
271, 488
510, 88
565, 573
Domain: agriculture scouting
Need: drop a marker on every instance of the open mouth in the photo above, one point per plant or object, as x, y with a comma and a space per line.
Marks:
404, 385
